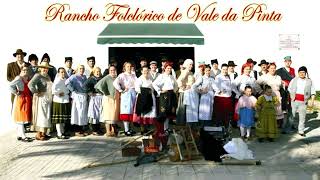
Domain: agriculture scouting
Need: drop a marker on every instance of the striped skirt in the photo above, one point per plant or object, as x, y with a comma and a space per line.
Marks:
61, 113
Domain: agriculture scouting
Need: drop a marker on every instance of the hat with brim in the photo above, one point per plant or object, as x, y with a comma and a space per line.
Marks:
67, 59
231, 63
251, 61
263, 62
214, 61
19, 51
44, 65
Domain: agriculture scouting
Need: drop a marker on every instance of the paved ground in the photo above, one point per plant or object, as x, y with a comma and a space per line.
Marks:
289, 158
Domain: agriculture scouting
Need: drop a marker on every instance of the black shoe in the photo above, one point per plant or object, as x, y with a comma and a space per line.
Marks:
19, 138
26, 139
132, 131
260, 140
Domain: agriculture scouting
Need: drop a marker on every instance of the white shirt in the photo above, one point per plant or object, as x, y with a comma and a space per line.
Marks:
222, 84
301, 84
231, 75
165, 82
143, 82
60, 87
125, 80
88, 71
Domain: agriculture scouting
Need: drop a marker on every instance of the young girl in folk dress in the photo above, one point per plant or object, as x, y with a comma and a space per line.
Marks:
145, 107
22, 103
266, 108
245, 109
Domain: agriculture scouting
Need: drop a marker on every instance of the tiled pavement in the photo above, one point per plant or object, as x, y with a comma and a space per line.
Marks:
289, 158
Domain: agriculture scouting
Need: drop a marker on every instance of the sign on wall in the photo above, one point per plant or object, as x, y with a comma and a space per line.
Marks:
289, 42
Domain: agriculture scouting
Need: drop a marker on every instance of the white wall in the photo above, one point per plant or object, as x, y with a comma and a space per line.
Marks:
23, 26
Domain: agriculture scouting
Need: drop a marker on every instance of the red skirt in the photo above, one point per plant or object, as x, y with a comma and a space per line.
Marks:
126, 117
223, 110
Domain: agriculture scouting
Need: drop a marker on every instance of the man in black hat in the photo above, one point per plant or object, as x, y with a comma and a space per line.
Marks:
264, 67
253, 73
215, 68
14, 68
301, 88
231, 72
91, 62
68, 67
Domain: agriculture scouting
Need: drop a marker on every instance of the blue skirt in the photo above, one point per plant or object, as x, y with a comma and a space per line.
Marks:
246, 117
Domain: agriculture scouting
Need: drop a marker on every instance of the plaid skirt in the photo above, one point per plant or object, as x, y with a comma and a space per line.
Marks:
61, 112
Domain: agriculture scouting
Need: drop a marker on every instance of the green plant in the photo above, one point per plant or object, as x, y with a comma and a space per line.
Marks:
318, 95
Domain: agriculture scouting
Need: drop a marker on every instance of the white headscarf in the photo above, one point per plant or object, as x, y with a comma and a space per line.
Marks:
187, 62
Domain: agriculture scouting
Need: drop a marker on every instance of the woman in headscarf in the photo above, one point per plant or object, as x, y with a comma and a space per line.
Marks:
182, 80
110, 101
41, 87
79, 108
95, 102
61, 106
145, 109
22, 103
166, 86
125, 84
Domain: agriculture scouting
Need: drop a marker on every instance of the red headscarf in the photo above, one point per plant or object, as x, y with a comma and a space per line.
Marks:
246, 65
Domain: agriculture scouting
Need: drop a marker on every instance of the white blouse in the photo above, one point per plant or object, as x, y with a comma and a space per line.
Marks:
222, 85
274, 81
60, 87
204, 82
242, 81
125, 80
143, 82
165, 82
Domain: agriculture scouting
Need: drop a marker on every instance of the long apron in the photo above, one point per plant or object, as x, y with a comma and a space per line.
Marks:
127, 105
191, 100
79, 109
44, 108
206, 106
95, 108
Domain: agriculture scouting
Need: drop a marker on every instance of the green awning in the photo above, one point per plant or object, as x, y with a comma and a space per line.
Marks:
133, 33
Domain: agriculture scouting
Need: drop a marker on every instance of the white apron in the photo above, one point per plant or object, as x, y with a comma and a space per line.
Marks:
79, 109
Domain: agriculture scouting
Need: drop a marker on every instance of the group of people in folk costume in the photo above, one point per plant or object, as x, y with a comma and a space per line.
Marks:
44, 96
